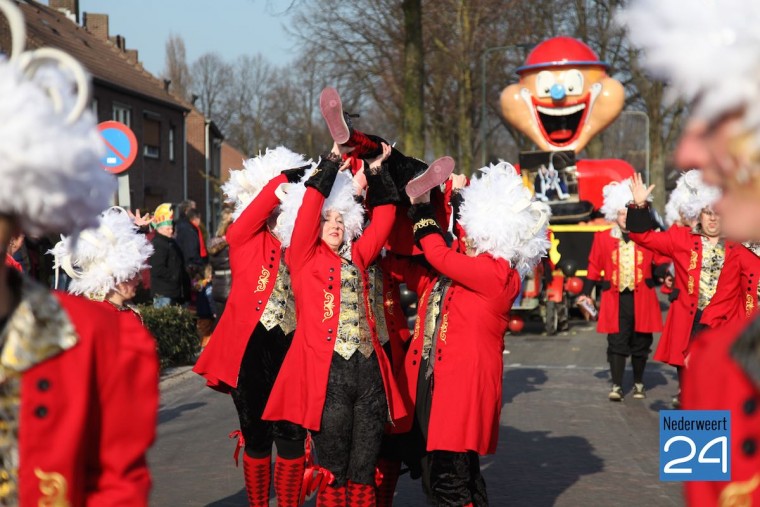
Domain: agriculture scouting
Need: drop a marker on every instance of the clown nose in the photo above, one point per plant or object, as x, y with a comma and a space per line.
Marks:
557, 92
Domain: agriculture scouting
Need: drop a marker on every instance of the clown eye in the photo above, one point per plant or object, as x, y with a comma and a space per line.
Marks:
573, 82
544, 82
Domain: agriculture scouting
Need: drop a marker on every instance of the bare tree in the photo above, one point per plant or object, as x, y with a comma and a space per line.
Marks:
212, 77
176, 69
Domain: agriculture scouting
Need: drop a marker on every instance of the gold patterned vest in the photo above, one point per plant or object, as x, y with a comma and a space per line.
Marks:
378, 302
712, 264
281, 307
353, 326
626, 265
38, 329
432, 313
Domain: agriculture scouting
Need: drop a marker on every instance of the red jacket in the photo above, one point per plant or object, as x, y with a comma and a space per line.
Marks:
299, 392
468, 356
254, 260
603, 265
713, 380
685, 248
735, 299
88, 413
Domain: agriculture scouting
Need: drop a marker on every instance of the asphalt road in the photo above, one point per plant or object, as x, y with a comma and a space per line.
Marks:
561, 441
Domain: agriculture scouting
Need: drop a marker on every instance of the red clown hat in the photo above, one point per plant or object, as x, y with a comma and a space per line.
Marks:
561, 52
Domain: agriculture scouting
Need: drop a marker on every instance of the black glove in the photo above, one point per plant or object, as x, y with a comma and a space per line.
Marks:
639, 219
294, 175
325, 174
423, 218
380, 187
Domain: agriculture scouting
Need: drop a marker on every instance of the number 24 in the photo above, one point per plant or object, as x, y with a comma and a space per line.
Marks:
723, 460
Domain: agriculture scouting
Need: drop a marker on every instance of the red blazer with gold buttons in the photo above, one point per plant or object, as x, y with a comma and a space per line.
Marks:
604, 259
255, 255
684, 247
714, 379
88, 414
299, 392
735, 299
468, 356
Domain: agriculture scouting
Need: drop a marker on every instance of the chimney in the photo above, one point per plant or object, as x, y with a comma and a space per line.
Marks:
131, 55
120, 42
68, 7
167, 84
96, 24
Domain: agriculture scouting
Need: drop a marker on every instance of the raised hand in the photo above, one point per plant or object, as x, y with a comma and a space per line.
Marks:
376, 163
639, 190
458, 181
139, 221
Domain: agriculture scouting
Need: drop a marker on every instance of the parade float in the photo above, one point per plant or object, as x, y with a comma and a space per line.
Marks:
564, 97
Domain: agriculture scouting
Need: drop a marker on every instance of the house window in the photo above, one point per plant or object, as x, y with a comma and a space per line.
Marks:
123, 114
171, 144
151, 138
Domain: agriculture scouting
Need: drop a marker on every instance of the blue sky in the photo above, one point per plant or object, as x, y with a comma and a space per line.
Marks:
229, 27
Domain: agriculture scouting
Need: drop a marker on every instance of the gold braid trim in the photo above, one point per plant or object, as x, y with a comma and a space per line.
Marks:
750, 304
328, 305
737, 494
693, 260
388, 303
424, 222
263, 280
444, 328
691, 284
53, 489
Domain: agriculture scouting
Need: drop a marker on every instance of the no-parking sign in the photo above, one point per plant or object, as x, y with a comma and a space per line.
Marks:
121, 146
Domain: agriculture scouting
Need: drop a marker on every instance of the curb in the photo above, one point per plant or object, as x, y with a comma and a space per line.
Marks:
174, 372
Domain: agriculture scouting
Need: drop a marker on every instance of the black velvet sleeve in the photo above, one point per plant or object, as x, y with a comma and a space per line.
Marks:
324, 176
639, 220
294, 175
423, 218
588, 285
380, 187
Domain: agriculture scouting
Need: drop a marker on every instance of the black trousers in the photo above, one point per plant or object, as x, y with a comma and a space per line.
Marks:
353, 419
627, 342
261, 363
450, 479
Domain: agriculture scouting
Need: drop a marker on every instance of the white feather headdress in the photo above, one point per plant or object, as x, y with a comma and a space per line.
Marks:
616, 195
105, 256
341, 199
693, 195
501, 218
705, 49
52, 179
245, 184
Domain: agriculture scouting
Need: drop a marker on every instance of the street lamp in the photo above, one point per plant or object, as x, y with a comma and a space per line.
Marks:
646, 139
483, 58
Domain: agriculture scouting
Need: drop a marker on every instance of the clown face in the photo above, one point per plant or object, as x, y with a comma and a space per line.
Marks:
564, 96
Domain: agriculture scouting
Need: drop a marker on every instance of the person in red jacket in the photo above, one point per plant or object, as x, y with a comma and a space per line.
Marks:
721, 137
345, 389
250, 341
698, 255
629, 310
736, 297
79, 401
471, 297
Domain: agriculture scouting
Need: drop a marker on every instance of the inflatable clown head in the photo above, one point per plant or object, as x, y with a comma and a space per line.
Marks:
564, 96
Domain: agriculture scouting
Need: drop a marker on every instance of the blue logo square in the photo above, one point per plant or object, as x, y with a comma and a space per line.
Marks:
695, 445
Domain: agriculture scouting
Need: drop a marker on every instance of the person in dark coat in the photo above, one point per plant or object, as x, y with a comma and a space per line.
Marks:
168, 278
219, 258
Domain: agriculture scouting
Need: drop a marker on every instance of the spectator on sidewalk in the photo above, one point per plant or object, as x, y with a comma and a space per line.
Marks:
168, 278
219, 258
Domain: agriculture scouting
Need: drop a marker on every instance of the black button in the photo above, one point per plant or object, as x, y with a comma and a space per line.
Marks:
43, 384
439, 358
258, 308
272, 251
270, 266
415, 352
691, 312
41, 411
414, 363
332, 269
329, 279
328, 338
329, 331
259, 301
749, 446
750, 406
692, 304
271, 258
439, 351
329, 287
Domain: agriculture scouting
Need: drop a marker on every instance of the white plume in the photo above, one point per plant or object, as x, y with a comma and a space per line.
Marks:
105, 256
501, 218
694, 195
617, 195
245, 184
52, 179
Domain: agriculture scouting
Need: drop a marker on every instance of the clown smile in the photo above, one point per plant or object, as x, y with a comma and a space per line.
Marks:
561, 124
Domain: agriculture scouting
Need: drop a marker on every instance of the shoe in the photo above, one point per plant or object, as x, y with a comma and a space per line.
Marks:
616, 394
638, 392
436, 174
676, 401
332, 112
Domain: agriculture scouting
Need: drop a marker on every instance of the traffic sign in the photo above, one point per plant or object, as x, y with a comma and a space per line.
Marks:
121, 146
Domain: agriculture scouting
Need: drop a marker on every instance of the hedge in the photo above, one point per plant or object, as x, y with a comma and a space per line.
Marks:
175, 332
